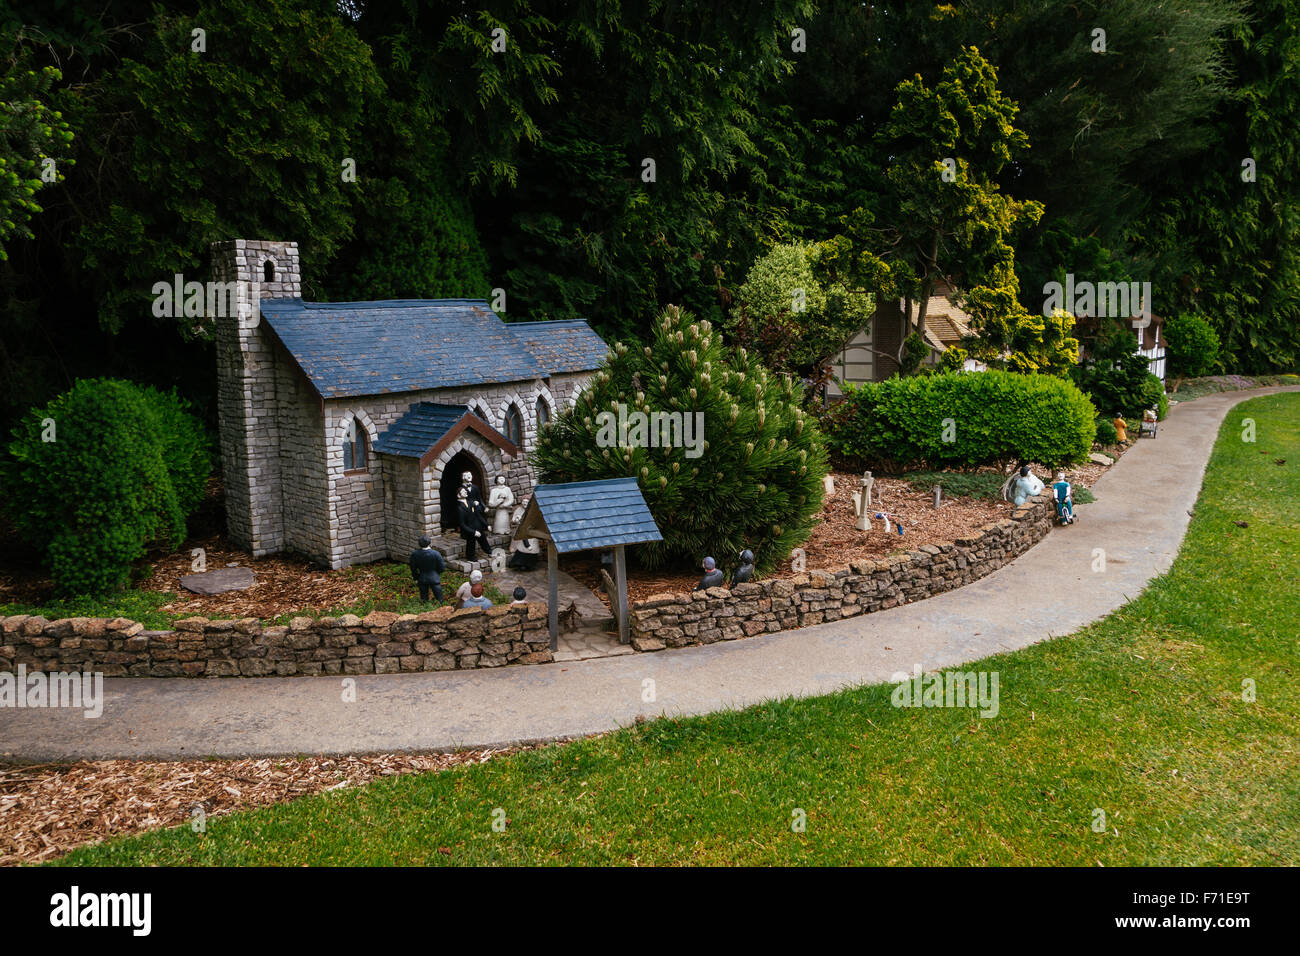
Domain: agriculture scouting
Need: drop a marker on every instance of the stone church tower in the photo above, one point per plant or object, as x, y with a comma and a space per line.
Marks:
246, 390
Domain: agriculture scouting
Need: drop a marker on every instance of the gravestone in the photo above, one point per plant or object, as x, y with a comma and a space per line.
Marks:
219, 581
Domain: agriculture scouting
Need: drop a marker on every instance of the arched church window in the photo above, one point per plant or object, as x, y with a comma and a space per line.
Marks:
515, 426
543, 413
268, 271
354, 448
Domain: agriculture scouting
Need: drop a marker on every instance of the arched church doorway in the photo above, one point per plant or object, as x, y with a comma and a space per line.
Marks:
449, 484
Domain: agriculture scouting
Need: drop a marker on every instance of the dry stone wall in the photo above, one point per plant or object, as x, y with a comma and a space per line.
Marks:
778, 604
446, 639
379, 643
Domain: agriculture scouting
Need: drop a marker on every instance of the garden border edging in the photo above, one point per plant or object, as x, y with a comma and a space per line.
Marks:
446, 639
380, 643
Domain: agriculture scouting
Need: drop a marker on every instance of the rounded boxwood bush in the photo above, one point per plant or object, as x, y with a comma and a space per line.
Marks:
1106, 432
87, 480
1153, 395
755, 480
961, 420
186, 449
1191, 345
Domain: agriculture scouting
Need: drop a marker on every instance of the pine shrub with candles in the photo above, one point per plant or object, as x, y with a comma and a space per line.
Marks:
748, 473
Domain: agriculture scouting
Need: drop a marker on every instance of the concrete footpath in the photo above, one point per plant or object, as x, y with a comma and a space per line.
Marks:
1139, 518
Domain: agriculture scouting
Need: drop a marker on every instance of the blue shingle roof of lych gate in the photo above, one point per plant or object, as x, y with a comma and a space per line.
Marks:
581, 515
419, 429
405, 345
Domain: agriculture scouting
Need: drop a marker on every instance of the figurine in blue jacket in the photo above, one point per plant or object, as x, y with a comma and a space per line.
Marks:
1064, 495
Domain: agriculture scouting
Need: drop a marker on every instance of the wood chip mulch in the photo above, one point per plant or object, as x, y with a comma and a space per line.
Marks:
834, 542
48, 810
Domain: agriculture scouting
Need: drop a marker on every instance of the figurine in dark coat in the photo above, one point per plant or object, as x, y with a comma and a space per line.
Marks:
427, 566
746, 570
472, 518
713, 577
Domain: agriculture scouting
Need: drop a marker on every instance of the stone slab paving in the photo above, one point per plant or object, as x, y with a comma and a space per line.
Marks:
1048, 592
588, 644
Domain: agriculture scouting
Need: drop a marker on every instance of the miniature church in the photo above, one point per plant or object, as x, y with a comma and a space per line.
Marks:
346, 426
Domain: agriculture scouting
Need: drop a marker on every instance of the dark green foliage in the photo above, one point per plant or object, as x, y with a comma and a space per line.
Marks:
253, 147
1191, 345
94, 498
1106, 432
1153, 395
186, 450
960, 484
915, 350
1113, 375
756, 482
1225, 233
956, 419
790, 316
29, 133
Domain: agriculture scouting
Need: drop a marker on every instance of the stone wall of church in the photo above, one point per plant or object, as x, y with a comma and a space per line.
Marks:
565, 389
247, 410
405, 500
304, 500
360, 506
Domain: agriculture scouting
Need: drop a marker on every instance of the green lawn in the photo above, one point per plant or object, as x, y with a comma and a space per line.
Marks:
1140, 715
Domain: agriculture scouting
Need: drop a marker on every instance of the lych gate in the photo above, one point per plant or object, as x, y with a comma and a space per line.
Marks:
585, 516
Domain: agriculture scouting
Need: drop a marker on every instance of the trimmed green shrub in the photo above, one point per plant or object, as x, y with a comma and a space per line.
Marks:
1191, 345
87, 480
915, 351
1106, 432
961, 419
1113, 375
960, 484
752, 478
792, 318
1153, 393
185, 446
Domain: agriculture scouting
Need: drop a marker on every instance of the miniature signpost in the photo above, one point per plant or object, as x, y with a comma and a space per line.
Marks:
585, 516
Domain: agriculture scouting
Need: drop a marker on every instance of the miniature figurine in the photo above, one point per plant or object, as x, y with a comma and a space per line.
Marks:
1121, 429
520, 597
1150, 423
472, 520
463, 591
427, 566
885, 517
881, 516
476, 597
743, 573
501, 499
713, 578
525, 553
1023, 486
1064, 497
469, 487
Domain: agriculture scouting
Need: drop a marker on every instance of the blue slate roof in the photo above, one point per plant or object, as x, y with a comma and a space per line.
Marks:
419, 429
581, 515
403, 345
564, 345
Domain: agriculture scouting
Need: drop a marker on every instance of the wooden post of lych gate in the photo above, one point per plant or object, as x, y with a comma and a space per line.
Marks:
620, 586
553, 594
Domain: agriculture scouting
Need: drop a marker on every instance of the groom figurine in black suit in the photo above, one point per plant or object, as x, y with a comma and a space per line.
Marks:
427, 566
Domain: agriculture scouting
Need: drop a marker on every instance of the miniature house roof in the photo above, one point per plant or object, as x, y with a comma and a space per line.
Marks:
373, 348
428, 428
583, 515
